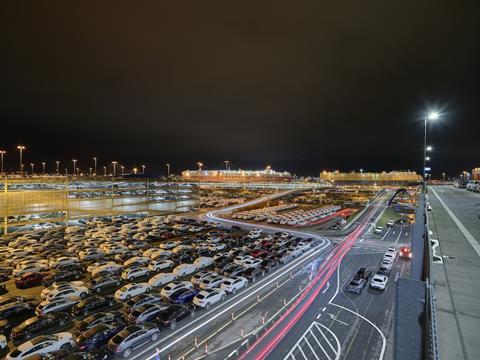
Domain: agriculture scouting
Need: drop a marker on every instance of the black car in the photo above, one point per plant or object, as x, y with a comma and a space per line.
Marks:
269, 265
382, 270
140, 300
92, 303
144, 313
97, 336
173, 314
98, 284
64, 275
96, 319
96, 354
10, 310
72, 267
235, 270
363, 273
253, 273
4, 277
184, 258
38, 324
204, 252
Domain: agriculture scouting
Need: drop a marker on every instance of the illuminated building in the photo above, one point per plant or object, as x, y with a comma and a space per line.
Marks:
267, 175
393, 177
476, 173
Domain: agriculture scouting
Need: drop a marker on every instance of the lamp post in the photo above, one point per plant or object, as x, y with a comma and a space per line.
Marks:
430, 117
123, 168
143, 169
58, 167
74, 167
227, 163
43, 167
199, 166
31, 166
95, 165
114, 168
104, 171
443, 176
135, 171
2, 153
90, 171
21, 148
168, 170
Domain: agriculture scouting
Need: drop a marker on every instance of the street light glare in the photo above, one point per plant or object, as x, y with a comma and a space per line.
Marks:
429, 148
433, 116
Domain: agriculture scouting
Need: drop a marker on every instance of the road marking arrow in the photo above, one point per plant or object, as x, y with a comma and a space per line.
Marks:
334, 318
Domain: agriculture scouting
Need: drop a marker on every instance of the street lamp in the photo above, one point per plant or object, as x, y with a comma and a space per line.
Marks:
114, 167
430, 117
199, 166
74, 166
32, 165
43, 167
429, 148
21, 148
135, 171
2, 153
58, 167
104, 171
227, 163
143, 169
95, 166
168, 170
427, 158
122, 167
90, 171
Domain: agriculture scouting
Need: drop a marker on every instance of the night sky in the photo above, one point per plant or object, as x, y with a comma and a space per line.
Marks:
302, 86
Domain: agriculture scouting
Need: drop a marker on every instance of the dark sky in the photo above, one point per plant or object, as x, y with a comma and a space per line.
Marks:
303, 85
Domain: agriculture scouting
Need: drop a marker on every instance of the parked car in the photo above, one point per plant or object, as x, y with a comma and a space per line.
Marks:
130, 290
29, 280
233, 284
161, 265
208, 297
379, 282
141, 300
15, 308
252, 274
174, 286
96, 319
131, 338
145, 313
61, 304
356, 285
59, 276
41, 345
91, 304
161, 279
97, 336
183, 295
37, 325
405, 252
173, 314
104, 282
184, 270
211, 282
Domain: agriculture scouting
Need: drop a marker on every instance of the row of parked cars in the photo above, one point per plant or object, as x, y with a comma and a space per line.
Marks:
380, 278
473, 185
157, 271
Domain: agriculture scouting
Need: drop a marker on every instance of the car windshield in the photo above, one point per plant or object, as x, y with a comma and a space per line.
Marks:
200, 296
123, 289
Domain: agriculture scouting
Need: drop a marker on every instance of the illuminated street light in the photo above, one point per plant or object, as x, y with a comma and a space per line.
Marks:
227, 163
114, 168
427, 158
433, 116
2, 153
95, 165
122, 167
199, 166
430, 117
429, 148
43, 167
143, 169
74, 167
268, 168
168, 170
90, 171
135, 171
32, 165
104, 171
58, 167
21, 148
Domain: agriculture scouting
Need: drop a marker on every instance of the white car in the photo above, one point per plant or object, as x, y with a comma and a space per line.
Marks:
161, 279
174, 286
389, 256
60, 286
392, 250
231, 285
3, 342
167, 245
390, 223
161, 254
198, 277
160, 265
131, 274
211, 282
140, 260
63, 261
388, 263
304, 246
98, 264
78, 291
203, 262
110, 268
29, 268
379, 282
378, 230
239, 260
130, 290
42, 345
208, 297
62, 304
184, 270
294, 251
251, 263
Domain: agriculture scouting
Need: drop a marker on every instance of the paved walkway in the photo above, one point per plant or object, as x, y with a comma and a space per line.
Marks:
455, 223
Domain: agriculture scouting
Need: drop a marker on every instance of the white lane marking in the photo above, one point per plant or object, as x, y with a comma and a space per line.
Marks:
398, 237
318, 342
386, 233
326, 287
326, 339
313, 351
473, 242
304, 356
334, 318
384, 340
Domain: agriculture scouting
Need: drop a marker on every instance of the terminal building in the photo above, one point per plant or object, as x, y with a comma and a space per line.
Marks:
370, 178
248, 176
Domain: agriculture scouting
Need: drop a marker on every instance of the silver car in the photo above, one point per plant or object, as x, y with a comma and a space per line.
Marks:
131, 338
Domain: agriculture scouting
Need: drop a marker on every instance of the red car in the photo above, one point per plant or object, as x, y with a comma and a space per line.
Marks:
405, 252
29, 279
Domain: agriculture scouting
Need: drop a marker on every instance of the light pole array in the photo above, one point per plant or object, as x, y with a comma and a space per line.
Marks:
199, 166
95, 165
21, 148
430, 117
168, 170
114, 163
2, 153
143, 169
58, 167
74, 166
31, 166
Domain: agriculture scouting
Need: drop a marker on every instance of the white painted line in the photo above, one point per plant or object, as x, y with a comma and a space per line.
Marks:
304, 356
326, 287
326, 339
334, 318
339, 348
398, 237
384, 236
384, 340
318, 342
472, 241
313, 351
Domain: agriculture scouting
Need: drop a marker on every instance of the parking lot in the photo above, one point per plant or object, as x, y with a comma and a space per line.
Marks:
145, 272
